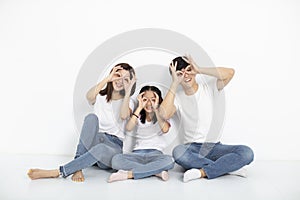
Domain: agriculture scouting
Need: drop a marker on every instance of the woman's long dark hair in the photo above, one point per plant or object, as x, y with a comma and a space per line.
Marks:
108, 90
143, 112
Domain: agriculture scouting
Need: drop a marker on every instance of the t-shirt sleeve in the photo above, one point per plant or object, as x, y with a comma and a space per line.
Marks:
212, 84
131, 104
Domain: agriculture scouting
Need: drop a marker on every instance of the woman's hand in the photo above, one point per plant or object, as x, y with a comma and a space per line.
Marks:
114, 75
128, 84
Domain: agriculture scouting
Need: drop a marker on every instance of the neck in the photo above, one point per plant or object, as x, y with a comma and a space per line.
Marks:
116, 95
149, 116
191, 90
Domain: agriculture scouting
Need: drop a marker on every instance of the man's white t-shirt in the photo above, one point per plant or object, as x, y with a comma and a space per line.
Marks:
150, 136
196, 111
108, 114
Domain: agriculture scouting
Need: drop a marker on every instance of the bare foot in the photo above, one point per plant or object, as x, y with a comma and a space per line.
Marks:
163, 175
41, 173
78, 176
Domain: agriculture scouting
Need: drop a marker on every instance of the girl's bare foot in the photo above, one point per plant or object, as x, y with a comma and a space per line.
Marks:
163, 175
41, 173
78, 176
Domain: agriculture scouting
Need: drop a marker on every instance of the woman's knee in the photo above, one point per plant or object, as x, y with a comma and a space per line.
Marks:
91, 118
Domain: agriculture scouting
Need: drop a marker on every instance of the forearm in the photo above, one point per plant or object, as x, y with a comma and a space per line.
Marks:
94, 91
125, 110
221, 73
163, 124
166, 109
133, 120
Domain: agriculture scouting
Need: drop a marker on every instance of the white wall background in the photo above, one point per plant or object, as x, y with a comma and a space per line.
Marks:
43, 45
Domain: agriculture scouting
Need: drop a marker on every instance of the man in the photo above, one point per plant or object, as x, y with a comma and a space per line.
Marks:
202, 155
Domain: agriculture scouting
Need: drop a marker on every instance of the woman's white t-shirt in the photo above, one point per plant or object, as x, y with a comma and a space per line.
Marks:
108, 114
149, 136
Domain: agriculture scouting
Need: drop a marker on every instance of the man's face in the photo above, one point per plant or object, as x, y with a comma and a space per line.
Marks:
188, 79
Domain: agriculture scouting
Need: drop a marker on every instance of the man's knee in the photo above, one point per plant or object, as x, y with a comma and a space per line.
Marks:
179, 153
246, 153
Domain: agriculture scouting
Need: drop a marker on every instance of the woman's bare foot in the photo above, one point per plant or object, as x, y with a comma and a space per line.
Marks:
41, 173
78, 176
163, 175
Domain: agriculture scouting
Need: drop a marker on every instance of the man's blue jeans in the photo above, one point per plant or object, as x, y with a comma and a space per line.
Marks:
93, 148
143, 162
215, 159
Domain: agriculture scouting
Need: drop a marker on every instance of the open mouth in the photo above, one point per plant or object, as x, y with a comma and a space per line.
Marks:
119, 85
187, 80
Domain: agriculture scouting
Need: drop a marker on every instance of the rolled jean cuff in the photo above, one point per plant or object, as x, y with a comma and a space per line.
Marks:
62, 172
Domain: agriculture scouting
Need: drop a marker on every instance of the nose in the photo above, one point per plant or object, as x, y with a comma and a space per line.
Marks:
148, 103
186, 75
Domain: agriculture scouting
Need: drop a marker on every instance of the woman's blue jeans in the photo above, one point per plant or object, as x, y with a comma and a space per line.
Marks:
93, 148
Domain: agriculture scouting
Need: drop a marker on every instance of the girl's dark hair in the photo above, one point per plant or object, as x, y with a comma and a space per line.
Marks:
181, 63
108, 90
143, 112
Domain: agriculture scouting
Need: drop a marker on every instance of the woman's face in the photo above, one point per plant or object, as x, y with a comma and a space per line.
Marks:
149, 96
120, 77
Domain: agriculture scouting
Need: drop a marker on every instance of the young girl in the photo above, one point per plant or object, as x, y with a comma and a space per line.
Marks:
147, 158
103, 132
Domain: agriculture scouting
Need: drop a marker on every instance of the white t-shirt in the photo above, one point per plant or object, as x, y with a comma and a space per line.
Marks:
149, 136
108, 114
197, 111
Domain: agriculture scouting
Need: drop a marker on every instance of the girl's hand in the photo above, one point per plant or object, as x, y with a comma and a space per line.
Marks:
142, 100
155, 103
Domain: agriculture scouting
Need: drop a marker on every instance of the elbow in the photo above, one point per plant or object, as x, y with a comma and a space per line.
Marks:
128, 128
231, 72
90, 99
163, 114
123, 117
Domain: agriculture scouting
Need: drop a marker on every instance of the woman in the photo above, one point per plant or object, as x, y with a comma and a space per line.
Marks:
147, 158
102, 133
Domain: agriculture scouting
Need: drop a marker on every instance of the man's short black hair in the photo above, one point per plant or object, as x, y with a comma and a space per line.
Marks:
181, 63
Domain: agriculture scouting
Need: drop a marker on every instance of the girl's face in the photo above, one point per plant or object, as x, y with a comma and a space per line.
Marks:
120, 77
149, 96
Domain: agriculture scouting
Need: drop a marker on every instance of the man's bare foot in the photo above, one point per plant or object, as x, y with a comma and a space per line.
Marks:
41, 173
163, 175
78, 176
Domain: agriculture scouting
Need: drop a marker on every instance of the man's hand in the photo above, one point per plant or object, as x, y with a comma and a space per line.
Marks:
193, 68
177, 76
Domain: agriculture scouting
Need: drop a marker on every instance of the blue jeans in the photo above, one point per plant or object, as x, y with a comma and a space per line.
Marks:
94, 148
143, 162
215, 159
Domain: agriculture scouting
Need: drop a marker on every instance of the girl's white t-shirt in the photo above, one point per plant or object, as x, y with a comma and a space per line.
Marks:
108, 114
149, 136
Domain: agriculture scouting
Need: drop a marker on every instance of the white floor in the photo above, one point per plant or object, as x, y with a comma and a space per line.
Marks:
266, 180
